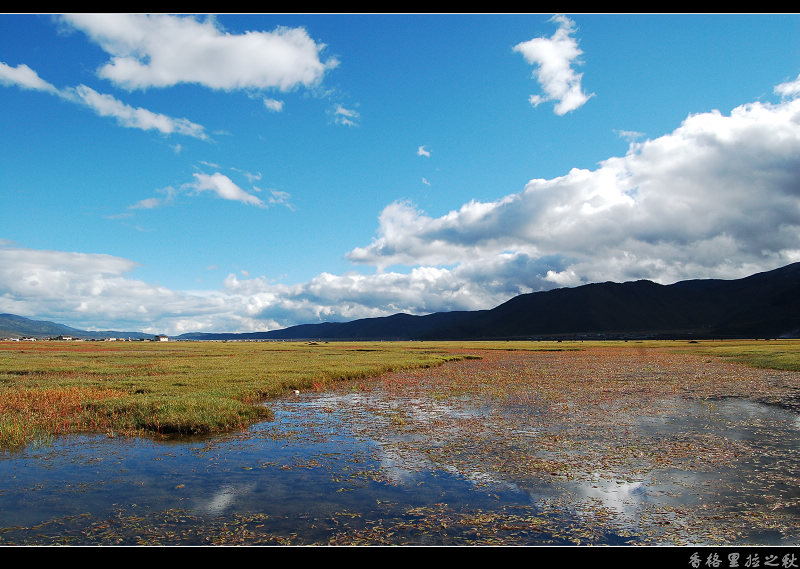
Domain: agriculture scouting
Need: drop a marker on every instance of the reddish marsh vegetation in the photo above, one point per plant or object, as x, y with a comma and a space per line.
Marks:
639, 440
595, 395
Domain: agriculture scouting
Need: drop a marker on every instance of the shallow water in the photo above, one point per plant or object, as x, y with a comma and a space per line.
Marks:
366, 467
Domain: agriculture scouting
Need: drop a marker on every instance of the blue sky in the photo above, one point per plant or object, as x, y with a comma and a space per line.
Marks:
176, 173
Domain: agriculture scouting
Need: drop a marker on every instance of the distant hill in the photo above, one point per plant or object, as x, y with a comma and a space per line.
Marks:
13, 326
762, 305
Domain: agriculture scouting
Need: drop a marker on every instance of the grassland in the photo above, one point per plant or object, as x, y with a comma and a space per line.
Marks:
189, 388
54, 388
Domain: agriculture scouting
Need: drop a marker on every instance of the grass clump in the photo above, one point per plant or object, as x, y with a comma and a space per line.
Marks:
31, 414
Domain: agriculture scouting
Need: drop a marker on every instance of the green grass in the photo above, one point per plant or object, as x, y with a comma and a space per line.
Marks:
770, 354
49, 388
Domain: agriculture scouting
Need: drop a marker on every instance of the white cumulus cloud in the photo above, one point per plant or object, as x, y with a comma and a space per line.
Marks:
554, 58
80, 286
719, 196
163, 50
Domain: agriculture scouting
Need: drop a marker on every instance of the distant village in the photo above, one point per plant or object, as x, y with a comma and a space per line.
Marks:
157, 338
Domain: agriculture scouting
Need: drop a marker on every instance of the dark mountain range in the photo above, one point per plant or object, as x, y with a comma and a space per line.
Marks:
762, 305
13, 326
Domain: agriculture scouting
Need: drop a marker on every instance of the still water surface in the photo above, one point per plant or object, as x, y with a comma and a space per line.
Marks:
338, 467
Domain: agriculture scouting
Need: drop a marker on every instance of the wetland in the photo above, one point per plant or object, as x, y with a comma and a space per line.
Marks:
522, 443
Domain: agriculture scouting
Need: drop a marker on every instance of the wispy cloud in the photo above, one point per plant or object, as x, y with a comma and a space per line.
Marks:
422, 151
554, 58
148, 203
103, 105
629, 135
343, 116
251, 177
24, 77
223, 187
789, 89
137, 117
279, 197
273, 104
169, 195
